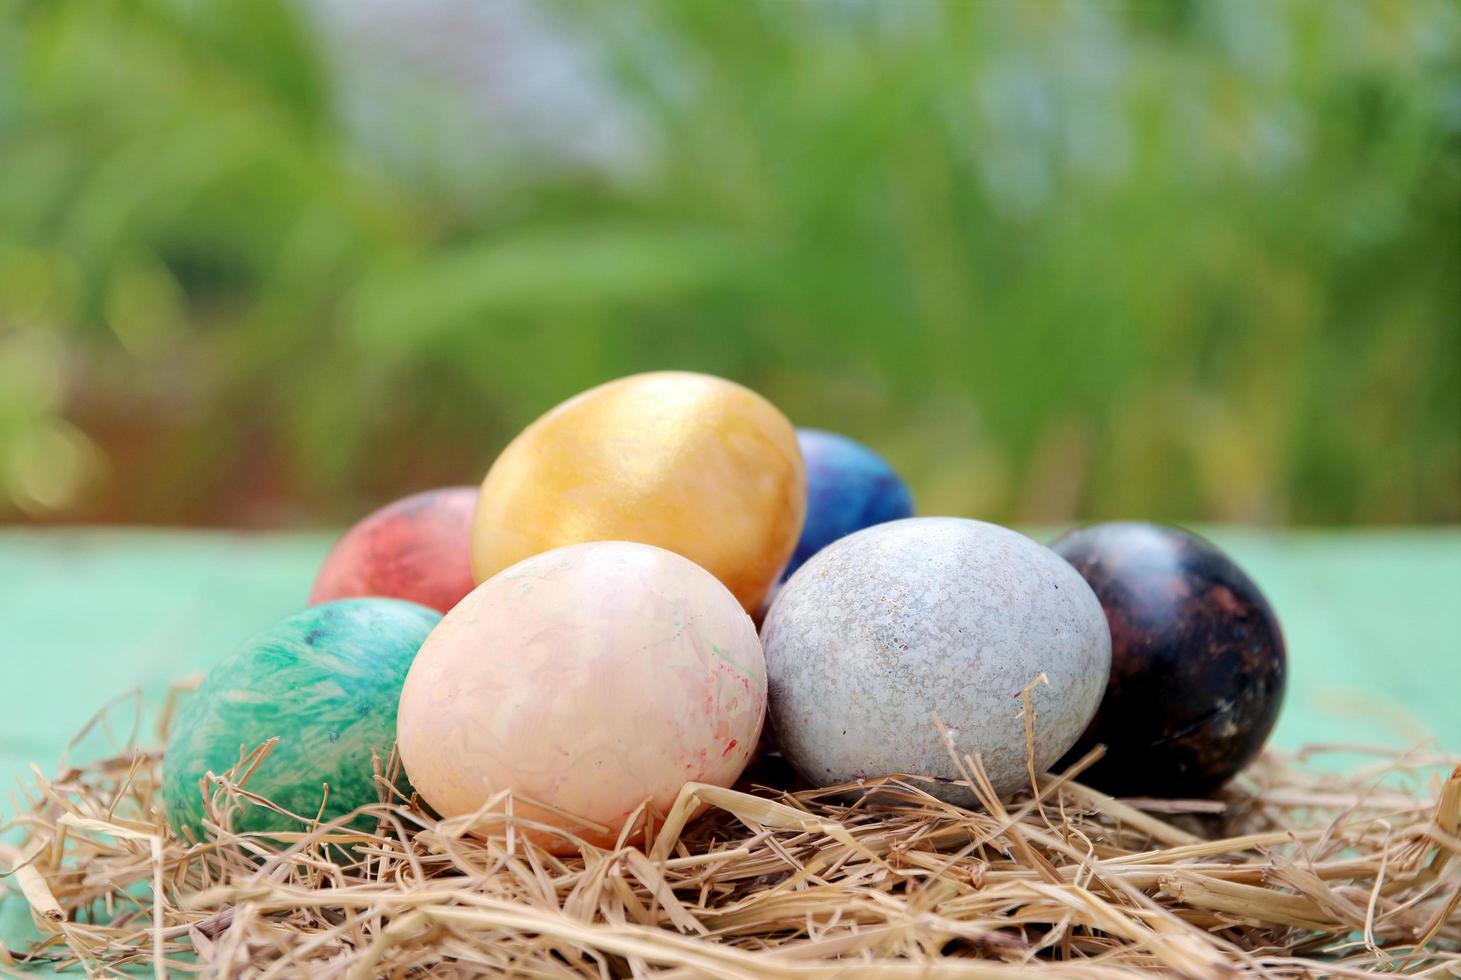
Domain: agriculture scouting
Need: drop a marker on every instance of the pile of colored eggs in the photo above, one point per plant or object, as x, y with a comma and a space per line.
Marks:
596, 652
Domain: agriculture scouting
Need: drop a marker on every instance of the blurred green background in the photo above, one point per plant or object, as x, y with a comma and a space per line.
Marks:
269, 264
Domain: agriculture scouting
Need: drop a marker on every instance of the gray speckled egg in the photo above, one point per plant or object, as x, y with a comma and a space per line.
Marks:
932, 614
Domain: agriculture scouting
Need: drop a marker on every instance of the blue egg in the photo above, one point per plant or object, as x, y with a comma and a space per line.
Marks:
849, 487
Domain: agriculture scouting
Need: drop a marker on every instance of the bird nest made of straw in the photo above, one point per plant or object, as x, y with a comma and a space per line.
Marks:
1292, 871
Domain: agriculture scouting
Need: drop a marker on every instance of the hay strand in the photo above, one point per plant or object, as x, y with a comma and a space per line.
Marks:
1292, 872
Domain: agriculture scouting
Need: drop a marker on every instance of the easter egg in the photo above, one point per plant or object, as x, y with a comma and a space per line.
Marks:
417, 548
585, 680
687, 462
849, 487
325, 682
888, 626
1197, 660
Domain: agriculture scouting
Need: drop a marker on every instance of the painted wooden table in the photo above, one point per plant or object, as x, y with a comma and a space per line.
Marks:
1372, 618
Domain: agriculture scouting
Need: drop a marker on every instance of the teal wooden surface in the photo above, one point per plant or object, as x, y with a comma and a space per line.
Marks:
1372, 618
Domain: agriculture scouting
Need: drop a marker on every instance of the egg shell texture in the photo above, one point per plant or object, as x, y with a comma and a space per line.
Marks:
1198, 661
325, 682
417, 548
687, 462
887, 626
849, 487
587, 678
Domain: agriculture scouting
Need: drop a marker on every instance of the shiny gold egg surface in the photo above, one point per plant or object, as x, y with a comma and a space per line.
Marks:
688, 462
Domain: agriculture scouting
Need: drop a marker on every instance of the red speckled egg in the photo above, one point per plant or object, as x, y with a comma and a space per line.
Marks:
418, 548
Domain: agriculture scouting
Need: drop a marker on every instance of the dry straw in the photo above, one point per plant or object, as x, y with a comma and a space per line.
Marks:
1291, 872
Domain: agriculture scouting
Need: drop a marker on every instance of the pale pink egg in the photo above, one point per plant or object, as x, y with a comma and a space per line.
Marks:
586, 680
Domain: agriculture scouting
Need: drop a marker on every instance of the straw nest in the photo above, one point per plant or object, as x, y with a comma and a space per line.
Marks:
1290, 873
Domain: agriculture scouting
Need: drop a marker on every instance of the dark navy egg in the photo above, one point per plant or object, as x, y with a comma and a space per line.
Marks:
1197, 661
849, 487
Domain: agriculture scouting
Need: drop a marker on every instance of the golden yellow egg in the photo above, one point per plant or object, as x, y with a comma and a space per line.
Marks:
691, 463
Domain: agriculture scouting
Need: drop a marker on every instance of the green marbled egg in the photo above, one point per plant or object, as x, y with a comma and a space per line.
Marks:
326, 681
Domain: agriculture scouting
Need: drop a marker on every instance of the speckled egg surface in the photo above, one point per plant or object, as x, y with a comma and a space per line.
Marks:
887, 626
417, 548
585, 680
325, 682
